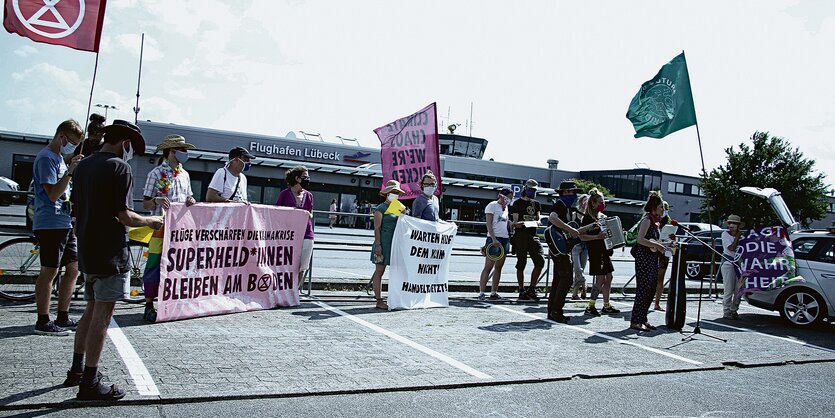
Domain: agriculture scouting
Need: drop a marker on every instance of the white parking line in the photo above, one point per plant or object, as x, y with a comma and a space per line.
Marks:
803, 343
138, 372
440, 356
597, 334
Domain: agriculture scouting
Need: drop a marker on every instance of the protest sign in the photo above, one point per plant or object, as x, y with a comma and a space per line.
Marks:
229, 257
409, 148
765, 259
420, 252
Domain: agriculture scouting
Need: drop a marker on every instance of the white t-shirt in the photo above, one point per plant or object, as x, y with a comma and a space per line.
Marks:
499, 219
224, 182
727, 241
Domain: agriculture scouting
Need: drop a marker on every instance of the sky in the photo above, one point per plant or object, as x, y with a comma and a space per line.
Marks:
545, 79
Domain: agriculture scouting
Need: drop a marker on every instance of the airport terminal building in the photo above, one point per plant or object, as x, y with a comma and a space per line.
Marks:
351, 173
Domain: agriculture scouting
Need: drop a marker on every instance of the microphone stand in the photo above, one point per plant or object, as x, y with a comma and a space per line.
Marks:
698, 329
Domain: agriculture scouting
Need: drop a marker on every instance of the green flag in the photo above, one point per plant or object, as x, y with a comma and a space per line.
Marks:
665, 103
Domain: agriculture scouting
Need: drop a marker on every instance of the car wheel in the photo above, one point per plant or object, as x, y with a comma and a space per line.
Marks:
802, 307
694, 271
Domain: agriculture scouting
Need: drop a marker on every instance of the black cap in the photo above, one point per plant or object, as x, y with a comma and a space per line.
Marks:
238, 152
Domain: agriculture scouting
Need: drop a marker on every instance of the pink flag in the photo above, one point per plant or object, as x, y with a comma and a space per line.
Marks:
73, 23
408, 148
229, 257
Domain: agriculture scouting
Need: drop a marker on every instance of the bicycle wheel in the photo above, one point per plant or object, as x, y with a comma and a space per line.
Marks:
138, 256
20, 265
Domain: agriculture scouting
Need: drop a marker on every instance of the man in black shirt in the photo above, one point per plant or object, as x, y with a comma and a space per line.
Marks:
563, 272
102, 200
525, 241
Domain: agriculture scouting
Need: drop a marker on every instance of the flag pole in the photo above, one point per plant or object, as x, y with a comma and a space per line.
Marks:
90, 101
139, 80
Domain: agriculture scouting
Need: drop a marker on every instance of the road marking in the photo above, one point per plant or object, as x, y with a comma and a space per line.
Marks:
138, 372
803, 343
597, 334
426, 350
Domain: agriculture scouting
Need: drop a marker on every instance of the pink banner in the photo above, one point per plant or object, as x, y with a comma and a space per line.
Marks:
408, 148
229, 257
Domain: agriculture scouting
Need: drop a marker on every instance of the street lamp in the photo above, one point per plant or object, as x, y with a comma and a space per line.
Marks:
106, 107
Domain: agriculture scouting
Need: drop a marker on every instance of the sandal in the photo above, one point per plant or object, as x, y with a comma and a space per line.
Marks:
381, 304
658, 309
638, 327
100, 392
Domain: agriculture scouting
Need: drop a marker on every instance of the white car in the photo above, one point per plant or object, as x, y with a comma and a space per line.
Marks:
806, 303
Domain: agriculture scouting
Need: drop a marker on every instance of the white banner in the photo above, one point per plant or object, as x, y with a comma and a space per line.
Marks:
420, 252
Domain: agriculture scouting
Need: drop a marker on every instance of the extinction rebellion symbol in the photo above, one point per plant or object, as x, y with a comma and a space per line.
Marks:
49, 17
658, 104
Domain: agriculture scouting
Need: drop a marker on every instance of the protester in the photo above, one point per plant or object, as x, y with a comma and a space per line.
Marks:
385, 220
103, 249
168, 183
498, 239
525, 241
559, 217
333, 209
647, 251
95, 137
663, 260
425, 205
298, 196
354, 210
730, 241
53, 227
229, 182
580, 253
600, 259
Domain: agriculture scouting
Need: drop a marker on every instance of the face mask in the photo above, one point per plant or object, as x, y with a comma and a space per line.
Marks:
530, 193
429, 190
128, 154
305, 182
601, 206
68, 148
569, 200
181, 156
247, 166
665, 214
391, 197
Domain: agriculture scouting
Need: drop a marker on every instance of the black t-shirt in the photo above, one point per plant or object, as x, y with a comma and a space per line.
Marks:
528, 210
101, 189
561, 210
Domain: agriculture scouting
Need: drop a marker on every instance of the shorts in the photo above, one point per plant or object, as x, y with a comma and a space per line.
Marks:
307, 254
58, 247
505, 242
105, 287
528, 245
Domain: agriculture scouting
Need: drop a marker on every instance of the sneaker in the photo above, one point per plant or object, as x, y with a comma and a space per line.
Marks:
524, 297
610, 310
150, 314
532, 294
68, 324
495, 296
559, 318
99, 392
575, 297
481, 297
50, 328
592, 311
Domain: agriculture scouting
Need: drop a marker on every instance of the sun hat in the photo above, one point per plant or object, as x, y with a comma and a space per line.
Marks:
734, 219
122, 129
392, 186
174, 141
568, 186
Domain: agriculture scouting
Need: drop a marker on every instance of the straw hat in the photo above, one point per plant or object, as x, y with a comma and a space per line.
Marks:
392, 186
174, 141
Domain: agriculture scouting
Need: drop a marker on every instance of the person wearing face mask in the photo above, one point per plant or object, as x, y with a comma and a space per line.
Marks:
102, 196
580, 253
298, 196
600, 259
229, 182
663, 261
95, 137
730, 242
425, 205
498, 236
52, 225
525, 241
168, 183
561, 213
647, 251
385, 220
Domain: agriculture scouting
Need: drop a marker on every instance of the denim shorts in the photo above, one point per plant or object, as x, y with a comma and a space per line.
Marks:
505, 242
105, 287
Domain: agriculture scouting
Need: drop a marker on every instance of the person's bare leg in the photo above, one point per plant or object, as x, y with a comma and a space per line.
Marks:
67, 286
377, 284
607, 288
97, 332
485, 273
535, 276
80, 345
43, 289
659, 289
497, 275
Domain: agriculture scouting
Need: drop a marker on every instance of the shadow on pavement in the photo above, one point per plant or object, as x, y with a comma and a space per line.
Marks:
28, 394
518, 326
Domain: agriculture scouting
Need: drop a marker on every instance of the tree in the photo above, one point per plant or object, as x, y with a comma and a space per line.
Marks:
771, 162
586, 185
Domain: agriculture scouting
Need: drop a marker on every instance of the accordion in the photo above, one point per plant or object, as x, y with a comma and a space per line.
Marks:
614, 232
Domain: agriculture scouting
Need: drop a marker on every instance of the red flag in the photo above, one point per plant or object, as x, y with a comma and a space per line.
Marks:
72, 23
